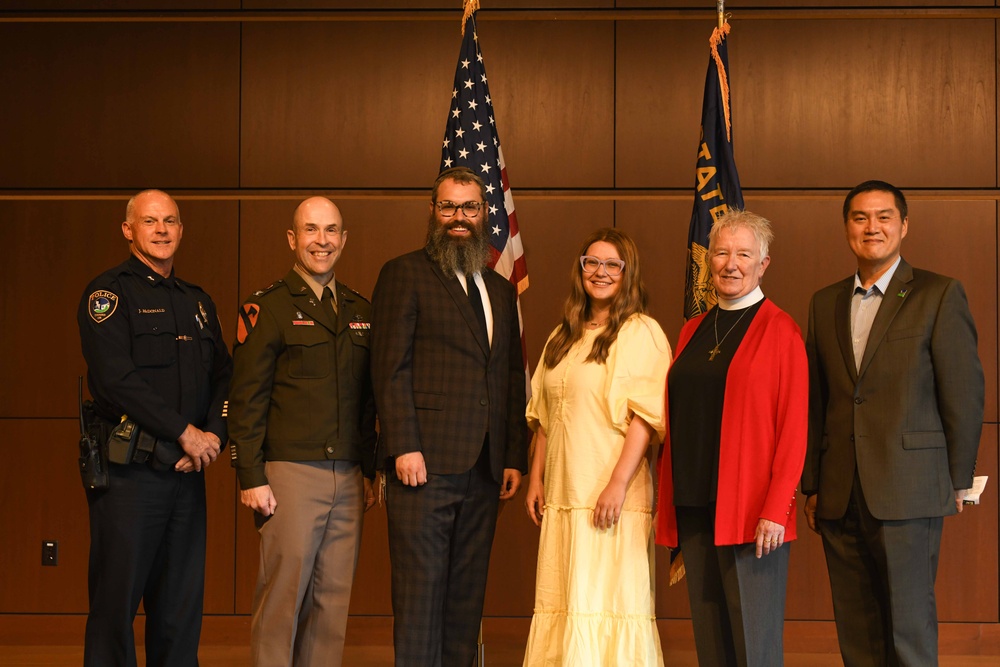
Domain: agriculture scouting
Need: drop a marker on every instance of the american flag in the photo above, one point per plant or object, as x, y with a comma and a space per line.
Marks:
471, 140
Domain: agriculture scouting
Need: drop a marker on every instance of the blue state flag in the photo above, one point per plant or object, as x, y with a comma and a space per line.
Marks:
717, 184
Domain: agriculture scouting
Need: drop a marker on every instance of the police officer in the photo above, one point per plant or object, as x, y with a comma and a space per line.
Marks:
155, 357
302, 432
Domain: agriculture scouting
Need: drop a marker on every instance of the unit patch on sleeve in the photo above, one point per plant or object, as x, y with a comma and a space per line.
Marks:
102, 305
247, 321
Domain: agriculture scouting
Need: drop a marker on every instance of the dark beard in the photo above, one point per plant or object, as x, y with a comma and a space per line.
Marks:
457, 255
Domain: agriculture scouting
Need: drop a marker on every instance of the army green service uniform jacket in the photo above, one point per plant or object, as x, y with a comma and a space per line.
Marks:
301, 388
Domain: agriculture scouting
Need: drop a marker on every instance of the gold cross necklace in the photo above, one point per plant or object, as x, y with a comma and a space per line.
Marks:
715, 350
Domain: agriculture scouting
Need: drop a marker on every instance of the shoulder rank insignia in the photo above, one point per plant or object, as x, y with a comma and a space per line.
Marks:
355, 293
246, 322
102, 305
262, 292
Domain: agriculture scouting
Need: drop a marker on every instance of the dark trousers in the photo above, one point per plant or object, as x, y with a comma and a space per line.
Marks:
737, 600
882, 577
147, 542
440, 537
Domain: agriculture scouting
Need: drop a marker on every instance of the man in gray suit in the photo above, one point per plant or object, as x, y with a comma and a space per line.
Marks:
449, 384
896, 409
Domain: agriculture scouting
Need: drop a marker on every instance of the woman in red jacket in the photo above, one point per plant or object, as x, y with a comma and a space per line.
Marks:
735, 443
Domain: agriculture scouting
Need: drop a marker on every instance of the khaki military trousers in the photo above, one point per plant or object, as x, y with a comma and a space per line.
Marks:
308, 552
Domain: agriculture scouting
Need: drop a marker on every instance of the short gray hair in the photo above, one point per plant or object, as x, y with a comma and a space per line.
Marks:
735, 218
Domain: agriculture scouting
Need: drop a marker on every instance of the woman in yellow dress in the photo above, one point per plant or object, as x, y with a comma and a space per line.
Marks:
596, 407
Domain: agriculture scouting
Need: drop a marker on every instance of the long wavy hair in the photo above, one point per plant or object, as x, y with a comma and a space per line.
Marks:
630, 299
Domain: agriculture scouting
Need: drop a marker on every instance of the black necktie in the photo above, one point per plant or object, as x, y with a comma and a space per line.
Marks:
476, 299
327, 303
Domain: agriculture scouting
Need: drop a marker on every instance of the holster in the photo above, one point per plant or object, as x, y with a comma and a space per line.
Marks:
122, 442
128, 443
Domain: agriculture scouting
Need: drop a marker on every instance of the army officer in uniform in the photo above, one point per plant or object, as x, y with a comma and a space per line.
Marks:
302, 431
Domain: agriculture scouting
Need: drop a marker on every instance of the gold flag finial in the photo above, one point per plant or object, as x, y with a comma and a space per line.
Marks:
471, 7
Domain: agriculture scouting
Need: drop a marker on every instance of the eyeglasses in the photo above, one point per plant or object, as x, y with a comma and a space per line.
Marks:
471, 209
614, 267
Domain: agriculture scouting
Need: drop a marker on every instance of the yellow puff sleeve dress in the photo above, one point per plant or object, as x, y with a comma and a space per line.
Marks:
594, 601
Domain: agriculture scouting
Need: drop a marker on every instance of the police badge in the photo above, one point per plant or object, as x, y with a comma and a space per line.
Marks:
102, 305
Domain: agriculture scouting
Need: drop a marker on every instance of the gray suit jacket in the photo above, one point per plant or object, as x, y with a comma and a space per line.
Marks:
910, 419
439, 385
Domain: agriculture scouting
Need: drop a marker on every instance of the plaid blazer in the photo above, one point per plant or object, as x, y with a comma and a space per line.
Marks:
440, 387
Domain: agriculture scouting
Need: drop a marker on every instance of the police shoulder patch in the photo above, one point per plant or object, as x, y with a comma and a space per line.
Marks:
101, 305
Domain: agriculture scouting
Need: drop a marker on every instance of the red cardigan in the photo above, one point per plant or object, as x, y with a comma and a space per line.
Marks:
763, 438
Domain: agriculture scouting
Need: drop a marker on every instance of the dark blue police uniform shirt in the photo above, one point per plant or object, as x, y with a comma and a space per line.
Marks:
155, 352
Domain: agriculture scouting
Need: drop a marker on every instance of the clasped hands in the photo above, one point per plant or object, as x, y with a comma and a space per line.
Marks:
200, 449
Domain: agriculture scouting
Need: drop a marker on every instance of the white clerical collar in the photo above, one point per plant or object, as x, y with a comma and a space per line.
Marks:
744, 301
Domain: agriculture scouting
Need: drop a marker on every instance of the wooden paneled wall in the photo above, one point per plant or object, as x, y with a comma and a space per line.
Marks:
241, 109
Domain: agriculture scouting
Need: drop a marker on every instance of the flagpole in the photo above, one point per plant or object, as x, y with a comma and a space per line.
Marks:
720, 9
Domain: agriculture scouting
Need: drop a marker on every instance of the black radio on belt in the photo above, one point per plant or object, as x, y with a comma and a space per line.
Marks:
93, 469
130, 444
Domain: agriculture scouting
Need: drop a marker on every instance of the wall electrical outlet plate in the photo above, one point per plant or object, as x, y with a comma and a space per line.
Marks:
50, 552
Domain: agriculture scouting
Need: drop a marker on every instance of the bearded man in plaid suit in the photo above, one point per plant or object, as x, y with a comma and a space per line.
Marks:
449, 383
